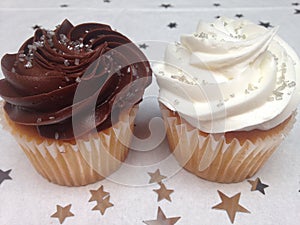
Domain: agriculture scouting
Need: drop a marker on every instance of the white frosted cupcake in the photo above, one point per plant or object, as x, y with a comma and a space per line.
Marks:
228, 95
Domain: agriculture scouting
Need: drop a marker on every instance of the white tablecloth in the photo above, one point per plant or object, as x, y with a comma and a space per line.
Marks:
27, 198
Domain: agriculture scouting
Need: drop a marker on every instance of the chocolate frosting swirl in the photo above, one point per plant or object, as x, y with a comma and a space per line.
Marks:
42, 78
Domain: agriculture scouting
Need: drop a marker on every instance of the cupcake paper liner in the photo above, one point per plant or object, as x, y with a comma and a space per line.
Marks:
79, 162
217, 157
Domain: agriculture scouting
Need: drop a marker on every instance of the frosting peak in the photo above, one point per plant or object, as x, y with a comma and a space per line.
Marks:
42, 78
234, 75
227, 46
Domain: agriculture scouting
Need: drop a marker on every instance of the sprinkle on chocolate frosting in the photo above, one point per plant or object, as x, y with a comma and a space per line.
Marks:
42, 78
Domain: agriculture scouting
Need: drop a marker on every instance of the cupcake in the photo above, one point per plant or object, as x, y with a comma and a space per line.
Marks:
228, 96
70, 98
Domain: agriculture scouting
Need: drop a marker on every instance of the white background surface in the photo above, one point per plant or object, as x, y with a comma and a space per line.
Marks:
30, 199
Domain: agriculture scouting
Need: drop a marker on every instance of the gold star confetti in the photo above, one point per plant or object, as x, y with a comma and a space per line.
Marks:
163, 193
230, 205
62, 213
4, 175
161, 219
166, 5
156, 177
103, 205
257, 185
172, 25
98, 195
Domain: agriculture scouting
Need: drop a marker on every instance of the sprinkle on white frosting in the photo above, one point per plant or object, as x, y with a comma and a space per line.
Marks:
230, 75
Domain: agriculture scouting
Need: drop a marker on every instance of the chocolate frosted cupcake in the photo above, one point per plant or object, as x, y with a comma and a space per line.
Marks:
70, 98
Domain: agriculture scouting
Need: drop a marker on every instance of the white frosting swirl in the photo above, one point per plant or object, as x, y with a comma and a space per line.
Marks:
230, 75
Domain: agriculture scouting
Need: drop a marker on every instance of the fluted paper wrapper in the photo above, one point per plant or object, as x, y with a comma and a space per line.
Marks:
221, 158
78, 162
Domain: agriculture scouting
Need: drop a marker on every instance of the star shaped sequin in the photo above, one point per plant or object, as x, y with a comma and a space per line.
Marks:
257, 185
239, 15
4, 175
103, 205
166, 5
98, 195
156, 177
163, 193
230, 205
297, 11
62, 213
172, 25
265, 24
64, 6
161, 219
143, 46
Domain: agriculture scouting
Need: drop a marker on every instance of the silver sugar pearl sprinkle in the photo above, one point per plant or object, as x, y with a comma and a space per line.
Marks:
50, 34
63, 37
67, 63
31, 47
292, 84
37, 44
76, 62
162, 73
220, 104
28, 65
78, 79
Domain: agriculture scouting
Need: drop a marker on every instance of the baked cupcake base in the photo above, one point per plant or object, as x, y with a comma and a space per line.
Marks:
225, 158
76, 163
